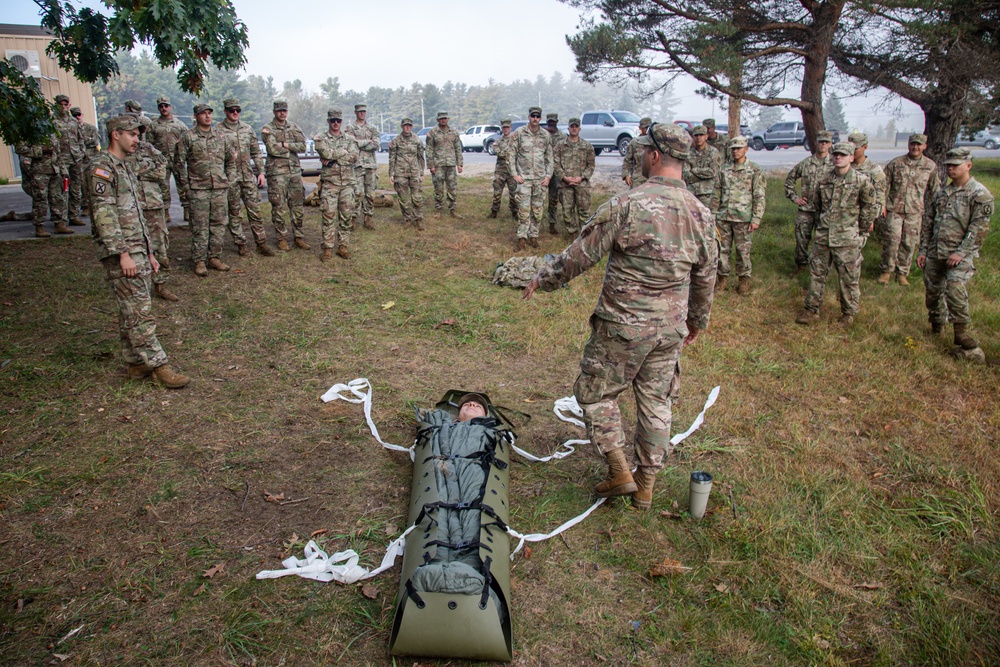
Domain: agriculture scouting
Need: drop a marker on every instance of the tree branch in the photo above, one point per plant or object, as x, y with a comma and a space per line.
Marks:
879, 77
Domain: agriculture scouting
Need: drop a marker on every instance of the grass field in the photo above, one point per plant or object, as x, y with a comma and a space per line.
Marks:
853, 520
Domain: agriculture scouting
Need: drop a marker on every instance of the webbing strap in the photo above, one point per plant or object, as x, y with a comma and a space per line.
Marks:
487, 581
411, 593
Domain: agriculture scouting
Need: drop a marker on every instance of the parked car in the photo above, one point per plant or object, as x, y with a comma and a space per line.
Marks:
686, 124
492, 139
609, 129
383, 141
744, 129
982, 138
422, 134
472, 139
784, 134
310, 148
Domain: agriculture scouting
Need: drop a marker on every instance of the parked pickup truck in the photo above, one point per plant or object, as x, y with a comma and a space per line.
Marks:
609, 129
472, 139
786, 133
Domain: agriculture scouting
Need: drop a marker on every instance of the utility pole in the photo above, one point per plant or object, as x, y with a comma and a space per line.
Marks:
423, 121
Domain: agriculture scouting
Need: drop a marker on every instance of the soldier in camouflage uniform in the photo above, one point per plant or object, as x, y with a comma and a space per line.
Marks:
954, 227
631, 167
502, 178
873, 171
846, 205
72, 155
556, 136
248, 177
530, 162
809, 171
739, 195
165, 135
718, 140
339, 155
657, 297
444, 159
125, 249
366, 170
45, 178
150, 169
574, 163
284, 141
206, 157
701, 169
913, 181
88, 134
406, 174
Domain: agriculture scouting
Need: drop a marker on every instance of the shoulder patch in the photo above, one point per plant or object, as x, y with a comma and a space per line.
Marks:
102, 173
265, 130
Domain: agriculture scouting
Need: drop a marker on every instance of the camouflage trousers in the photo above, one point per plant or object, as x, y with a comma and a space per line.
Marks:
182, 195
337, 205
648, 359
553, 214
25, 166
529, 208
805, 223
244, 195
75, 191
409, 191
47, 196
445, 178
734, 235
845, 260
947, 296
159, 237
576, 206
286, 194
902, 236
136, 325
209, 213
365, 185
502, 179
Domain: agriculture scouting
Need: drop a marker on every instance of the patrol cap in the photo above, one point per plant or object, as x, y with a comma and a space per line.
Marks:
699, 129
468, 398
858, 138
61, 98
574, 121
668, 138
442, 114
162, 100
843, 148
552, 118
132, 105
824, 135
506, 122
122, 123
645, 122
917, 139
537, 110
198, 108
75, 111
360, 107
334, 114
406, 121
708, 122
280, 105
958, 156
737, 142
231, 103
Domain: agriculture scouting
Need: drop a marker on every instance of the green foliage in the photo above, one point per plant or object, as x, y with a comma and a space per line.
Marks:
833, 113
25, 115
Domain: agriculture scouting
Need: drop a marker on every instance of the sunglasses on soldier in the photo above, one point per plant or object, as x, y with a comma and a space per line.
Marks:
534, 115
335, 120
234, 110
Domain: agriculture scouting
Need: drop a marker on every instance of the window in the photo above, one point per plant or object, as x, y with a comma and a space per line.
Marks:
625, 117
589, 119
603, 118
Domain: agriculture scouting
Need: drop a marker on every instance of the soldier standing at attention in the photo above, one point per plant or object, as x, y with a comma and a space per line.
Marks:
657, 298
284, 141
502, 178
444, 159
718, 140
406, 173
88, 134
366, 170
913, 181
247, 179
205, 157
165, 135
846, 206
739, 195
125, 250
72, 156
530, 161
45, 178
809, 171
552, 127
338, 153
150, 169
953, 231
631, 167
573, 166
701, 169
869, 168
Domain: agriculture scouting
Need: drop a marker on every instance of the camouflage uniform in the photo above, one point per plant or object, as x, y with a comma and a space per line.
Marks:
502, 178
119, 227
574, 158
165, 135
659, 282
72, 156
205, 160
444, 156
632, 164
701, 171
739, 196
91, 141
284, 174
150, 169
243, 187
911, 183
24, 162
530, 157
366, 170
721, 141
554, 186
846, 208
406, 170
46, 181
338, 181
809, 171
875, 174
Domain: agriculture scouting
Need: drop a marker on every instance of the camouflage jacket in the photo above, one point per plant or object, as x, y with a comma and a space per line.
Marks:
912, 183
721, 144
809, 171
206, 160
502, 148
555, 137
740, 192
444, 148
957, 220
71, 148
367, 138
663, 259
406, 157
91, 141
150, 168
339, 156
282, 160
42, 158
119, 225
875, 174
249, 159
701, 170
530, 154
847, 208
573, 158
632, 164
166, 134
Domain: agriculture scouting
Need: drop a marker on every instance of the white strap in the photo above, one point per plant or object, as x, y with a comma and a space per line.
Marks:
541, 537
362, 391
562, 405
699, 420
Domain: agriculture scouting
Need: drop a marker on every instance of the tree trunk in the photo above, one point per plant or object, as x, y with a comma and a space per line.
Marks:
943, 115
825, 17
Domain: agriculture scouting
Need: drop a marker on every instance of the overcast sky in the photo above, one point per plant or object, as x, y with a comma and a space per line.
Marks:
393, 43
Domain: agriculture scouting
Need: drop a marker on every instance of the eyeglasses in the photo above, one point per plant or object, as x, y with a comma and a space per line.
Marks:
652, 136
335, 120
534, 115
77, 115
162, 106
234, 110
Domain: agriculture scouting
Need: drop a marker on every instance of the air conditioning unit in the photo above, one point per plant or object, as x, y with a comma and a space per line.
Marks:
26, 61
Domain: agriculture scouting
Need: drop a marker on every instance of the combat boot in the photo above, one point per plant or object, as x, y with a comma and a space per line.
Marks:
806, 316
901, 279
200, 270
720, 283
217, 264
884, 278
419, 224
61, 228
522, 244
799, 268
164, 293
76, 222
453, 213
642, 499
327, 255
301, 243
164, 262
618, 481
265, 250
41, 233
437, 214
493, 214
138, 371
743, 288
283, 245
243, 250
368, 222
845, 321
533, 241
936, 328
963, 338
168, 378
552, 228
342, 251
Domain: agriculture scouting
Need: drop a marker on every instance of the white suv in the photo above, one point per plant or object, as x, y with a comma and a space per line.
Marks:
472, 139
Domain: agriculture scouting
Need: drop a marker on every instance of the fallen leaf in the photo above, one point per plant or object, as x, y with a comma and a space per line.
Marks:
394, 348
527, 552
722, 588
198, 591
214, 570
369, 591
271, 498
667, 514
63, 657
445, 323
821, 643
317, 533
872, 586
667, 567
391, 529
388, 304
125, 419
530, 400
842, 399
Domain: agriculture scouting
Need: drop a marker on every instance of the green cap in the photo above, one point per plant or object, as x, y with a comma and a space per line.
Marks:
858, 138
506, 122
123, 122
199, 108
552, 118
61, 98
699, 129
824, 135
958, 156
133, 106
406, 121
280, 105
708, 122
442, 114
917, 139
645, 122
231, 103
843, 148
574, 121
360, 107
738, 142
163, 99
334, 114
75, 110
532, 110
668, 138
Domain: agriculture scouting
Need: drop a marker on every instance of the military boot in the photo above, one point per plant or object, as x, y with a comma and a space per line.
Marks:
265, 249
243, 250
963, 338
169, 378
342, 251
806, 316
61, 228
41, 233
453, 213
845, 321
720, 283
743, 288
533, 241
642, 499
493, 214
419, 224
164, 262
217, 264
884, 278
552, 228
327, 255
301, 243
164, 293
138, 371
437, 214
521, 244
368, 222
618, 481
76, 222
200, 270
901, 279
283, 245
936, 328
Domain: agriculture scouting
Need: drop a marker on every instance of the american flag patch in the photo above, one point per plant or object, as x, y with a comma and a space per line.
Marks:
103, 173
